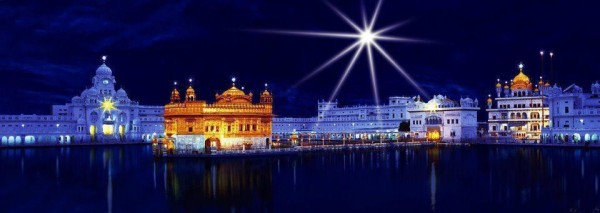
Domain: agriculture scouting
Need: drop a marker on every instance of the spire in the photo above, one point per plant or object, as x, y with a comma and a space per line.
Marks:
175, 98
104, 59
233, 81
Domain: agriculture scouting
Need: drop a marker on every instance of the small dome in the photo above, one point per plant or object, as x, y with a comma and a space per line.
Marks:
498, 84
121, 93
266, 92
92, 92
190, 90
489, 100
104, 70
547, 84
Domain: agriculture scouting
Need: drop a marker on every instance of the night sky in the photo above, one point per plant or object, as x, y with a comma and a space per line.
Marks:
49, 50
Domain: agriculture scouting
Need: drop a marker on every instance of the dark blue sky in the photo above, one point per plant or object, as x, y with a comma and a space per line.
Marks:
50, 49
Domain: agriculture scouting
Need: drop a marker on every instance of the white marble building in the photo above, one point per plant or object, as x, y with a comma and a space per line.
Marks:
574, 115
351, 120
443, 119
99, 114
520, 109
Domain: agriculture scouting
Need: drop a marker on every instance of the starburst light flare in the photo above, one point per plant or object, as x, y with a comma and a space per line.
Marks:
107, 105
367, 39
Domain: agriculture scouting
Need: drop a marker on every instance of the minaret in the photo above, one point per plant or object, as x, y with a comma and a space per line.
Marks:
175, 98
266, 97
498, 89
506, 89
596, 88
190, 94
490, 102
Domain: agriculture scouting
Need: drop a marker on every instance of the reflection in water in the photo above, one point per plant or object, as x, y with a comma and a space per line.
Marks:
433, 186
414, 179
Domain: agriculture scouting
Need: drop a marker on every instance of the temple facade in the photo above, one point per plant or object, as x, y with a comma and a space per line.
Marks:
443, 119
100, 114
520, 109
574, 115
357, 121
231, 122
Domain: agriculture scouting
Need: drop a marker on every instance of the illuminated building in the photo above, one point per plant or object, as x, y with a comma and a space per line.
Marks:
443, 119
574, 115
233, 121
520, 110
353, 121
100, 114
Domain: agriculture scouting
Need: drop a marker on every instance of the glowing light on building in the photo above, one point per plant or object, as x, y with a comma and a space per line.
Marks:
107, 105
367, 39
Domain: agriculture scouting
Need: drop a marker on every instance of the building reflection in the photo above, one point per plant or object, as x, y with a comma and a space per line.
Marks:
225, 184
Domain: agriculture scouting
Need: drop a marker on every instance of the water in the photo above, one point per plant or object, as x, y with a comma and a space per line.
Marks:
414, 179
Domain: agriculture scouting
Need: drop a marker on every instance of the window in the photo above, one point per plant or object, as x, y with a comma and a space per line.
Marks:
190, 129
566, 110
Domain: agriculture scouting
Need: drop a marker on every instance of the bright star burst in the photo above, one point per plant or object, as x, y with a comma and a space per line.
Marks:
367, 39
107, 105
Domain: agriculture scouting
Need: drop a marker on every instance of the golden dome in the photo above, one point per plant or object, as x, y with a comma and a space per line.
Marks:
190, 89
547, 84
521, 78
489, 100
175, 92
498, 84
234, 91
521, 81
266, 92
233, 95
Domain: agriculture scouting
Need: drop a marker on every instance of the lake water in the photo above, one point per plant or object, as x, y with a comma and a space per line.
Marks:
413, 179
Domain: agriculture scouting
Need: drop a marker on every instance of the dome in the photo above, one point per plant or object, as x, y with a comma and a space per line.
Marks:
521, 78
121, 93
521, 82
266, 92
498, 85
234, 91
104, 70
190, 90
89, 92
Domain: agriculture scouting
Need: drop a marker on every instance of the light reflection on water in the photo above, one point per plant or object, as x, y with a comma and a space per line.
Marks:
424, 179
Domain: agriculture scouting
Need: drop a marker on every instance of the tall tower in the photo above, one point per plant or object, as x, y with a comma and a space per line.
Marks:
175, 98
266, 97
190, 94
498, 89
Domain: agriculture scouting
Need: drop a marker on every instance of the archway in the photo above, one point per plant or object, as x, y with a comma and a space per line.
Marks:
267, 142
18, 140
4, 140
587, 138
11, 139
595, 137
576, 137
212, 144
92, 133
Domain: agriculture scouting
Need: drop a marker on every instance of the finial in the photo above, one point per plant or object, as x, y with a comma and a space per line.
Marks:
104, 59
521, 66
489, 95
551, 54
233, 81
242, 87
542, 53
190, 80
174, 83
498, 80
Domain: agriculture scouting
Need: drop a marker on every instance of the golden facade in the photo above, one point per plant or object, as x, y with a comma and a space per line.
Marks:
232, 122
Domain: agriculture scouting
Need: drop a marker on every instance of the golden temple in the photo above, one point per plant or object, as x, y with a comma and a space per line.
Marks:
232, 122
